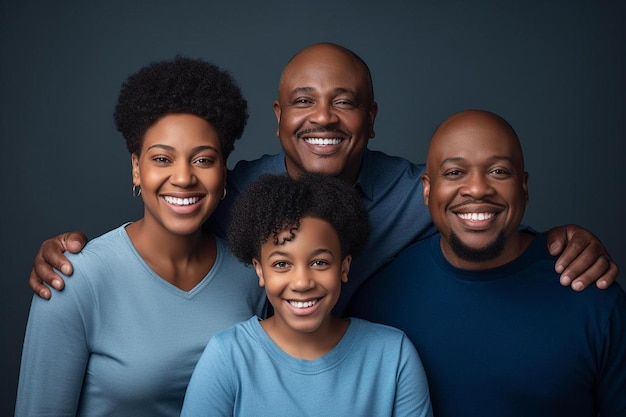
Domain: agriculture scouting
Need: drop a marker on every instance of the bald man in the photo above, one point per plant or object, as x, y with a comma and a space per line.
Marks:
497, 334
325, 112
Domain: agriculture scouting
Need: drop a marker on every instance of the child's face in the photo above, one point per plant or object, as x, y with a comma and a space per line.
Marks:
302, 277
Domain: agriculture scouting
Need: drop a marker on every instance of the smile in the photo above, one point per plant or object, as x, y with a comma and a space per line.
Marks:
181, 201
323, 141
303, 304
475, 217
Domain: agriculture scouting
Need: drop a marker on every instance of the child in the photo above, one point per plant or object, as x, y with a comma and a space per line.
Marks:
300, 235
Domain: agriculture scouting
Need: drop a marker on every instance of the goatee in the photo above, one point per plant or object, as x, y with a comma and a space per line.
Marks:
489, 252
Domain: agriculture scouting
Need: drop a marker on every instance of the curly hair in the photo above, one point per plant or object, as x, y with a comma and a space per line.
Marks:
274, 203
181, 85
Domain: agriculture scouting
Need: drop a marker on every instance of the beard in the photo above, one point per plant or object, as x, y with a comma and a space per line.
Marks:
489, 252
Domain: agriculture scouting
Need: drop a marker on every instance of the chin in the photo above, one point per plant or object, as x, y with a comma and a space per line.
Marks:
477, 252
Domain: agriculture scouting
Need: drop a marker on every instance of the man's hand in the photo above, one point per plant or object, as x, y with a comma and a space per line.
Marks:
582, 258
51, 256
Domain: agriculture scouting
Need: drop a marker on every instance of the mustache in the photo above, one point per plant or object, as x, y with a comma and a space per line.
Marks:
474, 201
303, 132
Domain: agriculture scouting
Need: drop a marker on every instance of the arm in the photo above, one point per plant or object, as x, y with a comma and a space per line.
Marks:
51, 256
210, 391
54, 358
412, 396
582, 258
610, 388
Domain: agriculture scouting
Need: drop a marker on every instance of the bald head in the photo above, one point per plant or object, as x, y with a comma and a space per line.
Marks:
325, 112
475, 126
475, 188
324, 53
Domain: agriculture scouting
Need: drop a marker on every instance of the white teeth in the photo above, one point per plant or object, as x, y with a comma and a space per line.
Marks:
303, 304
181, 201
323, 141
475, 216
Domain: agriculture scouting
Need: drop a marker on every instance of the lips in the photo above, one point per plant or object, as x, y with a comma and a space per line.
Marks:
303, 304
303, 308
323, 141
476, 217
176, 201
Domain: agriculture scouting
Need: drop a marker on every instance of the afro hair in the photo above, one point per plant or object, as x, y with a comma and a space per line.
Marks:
274, 203
181, 85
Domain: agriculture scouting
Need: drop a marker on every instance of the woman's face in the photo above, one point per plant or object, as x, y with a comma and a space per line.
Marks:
181, 172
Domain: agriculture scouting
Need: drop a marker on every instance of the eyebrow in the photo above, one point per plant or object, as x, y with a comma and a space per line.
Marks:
196, 149
492, 159
339, 90
314, 253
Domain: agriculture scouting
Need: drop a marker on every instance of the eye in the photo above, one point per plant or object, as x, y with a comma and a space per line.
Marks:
344, 104
320, 263
301, 102
501, 172
280, 265
204, 161
453, 173
161, 159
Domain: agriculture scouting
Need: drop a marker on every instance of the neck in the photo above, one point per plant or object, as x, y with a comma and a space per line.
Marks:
182, 260
306, 345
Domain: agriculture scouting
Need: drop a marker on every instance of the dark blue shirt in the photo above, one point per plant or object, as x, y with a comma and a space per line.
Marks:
508, 341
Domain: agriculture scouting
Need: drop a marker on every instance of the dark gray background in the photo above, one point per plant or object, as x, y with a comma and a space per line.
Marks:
554, 69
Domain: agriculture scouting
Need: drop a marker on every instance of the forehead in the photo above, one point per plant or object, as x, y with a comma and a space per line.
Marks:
324, 67
181, 128
312, 234
474, 140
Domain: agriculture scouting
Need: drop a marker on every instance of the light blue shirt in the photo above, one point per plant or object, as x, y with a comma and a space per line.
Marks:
120, 340
374, 370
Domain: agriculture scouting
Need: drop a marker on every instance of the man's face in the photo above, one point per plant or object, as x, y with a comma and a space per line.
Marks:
325, 112
476, 190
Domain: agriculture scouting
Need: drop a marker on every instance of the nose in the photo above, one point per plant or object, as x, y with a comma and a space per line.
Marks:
301, 280
182, 175
323, 113
477, 186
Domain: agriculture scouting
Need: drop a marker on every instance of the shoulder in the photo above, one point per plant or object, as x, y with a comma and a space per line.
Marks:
105, 254
391, 179
236, 340
234, 274
377, 331
245, 172
383, 163
416, 255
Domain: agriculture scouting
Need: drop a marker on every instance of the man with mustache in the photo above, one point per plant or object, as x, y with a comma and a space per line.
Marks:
496, 332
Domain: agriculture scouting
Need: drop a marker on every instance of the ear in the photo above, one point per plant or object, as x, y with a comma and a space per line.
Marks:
525, 186
225, 170
373, 111
259, 272
426, 186
277, 113
134, 158
345, 268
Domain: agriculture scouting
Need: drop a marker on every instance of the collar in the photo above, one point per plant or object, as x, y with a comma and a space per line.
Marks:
364, 183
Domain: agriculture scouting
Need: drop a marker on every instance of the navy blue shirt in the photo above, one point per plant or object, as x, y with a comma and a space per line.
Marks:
507, 341
391, 189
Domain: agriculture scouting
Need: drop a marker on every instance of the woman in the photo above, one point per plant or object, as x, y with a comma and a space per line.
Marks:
125, 335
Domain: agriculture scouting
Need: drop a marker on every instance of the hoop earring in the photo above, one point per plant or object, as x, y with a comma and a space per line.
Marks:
136, 191
224, 196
